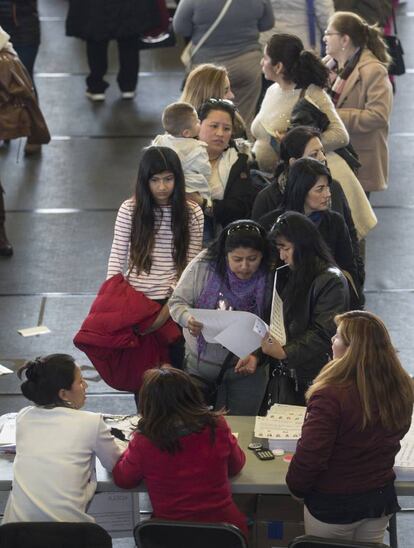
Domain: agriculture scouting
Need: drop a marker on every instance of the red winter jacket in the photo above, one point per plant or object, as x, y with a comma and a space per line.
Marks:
110, 335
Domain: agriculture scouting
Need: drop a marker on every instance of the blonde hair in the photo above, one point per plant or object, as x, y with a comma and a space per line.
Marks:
203, 82
361, 34
177, 117
371, 363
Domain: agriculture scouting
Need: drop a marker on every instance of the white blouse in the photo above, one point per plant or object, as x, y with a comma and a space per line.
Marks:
274, 116
54, 469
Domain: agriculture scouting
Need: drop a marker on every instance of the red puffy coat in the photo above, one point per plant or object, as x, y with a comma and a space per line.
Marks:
110, 337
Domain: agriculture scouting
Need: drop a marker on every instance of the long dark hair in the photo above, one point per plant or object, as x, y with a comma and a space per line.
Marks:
299, 65
293, 144
170, 405
303, 175
46, 376
145, 224
241, 233
311, 255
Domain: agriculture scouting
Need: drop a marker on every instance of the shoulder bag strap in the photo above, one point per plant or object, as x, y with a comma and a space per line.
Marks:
394, 21
310, 10
211, 29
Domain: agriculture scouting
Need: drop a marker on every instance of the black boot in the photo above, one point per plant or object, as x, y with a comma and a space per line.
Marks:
6, 249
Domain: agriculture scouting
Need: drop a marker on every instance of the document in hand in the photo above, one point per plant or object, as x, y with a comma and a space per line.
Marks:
277, 325
239, 332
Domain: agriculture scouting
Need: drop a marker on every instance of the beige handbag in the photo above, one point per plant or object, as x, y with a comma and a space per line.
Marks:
190, 50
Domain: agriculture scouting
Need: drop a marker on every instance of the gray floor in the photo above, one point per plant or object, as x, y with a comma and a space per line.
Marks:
62, 205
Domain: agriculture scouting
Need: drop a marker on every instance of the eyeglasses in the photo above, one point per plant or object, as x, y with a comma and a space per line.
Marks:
329, 33
221, 102
246, 227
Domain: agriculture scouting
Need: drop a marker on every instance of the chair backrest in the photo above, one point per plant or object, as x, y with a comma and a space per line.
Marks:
156, 533
309, 541
53, 535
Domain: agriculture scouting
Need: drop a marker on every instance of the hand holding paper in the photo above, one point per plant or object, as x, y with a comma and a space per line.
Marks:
239, 332
272, 347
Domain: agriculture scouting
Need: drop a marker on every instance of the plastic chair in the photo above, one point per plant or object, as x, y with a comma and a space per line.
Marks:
156, 533
309, 541
53, 535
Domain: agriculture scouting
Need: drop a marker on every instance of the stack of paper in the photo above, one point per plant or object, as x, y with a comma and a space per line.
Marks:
8, 433
404, 461
282, 426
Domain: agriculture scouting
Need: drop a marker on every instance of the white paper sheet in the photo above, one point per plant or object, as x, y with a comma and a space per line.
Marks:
239, 332
33, 331
277, 325
282, 422
4, 370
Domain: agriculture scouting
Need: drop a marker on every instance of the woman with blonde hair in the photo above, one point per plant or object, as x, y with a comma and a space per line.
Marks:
206, 81
359, 408
361, 91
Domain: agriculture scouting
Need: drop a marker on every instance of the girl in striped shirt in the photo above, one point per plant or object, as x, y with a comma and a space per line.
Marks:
157, 232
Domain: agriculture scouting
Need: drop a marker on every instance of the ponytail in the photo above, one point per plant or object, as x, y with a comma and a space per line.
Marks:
361, 34
377, 45
309, 70
299, 65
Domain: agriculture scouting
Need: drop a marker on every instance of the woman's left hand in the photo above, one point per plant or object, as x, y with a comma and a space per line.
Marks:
273, 348
246, 366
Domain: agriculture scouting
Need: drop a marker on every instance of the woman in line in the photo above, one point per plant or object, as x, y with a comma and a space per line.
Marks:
313, 291
183, 451
308, 191
231, 188
359, 408
56, 444
205, 81
296, 73
347, 199
361, 92
234, 43
157, 233
208, 80
233, 273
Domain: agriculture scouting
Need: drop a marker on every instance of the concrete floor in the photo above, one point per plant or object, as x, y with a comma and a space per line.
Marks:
62, 205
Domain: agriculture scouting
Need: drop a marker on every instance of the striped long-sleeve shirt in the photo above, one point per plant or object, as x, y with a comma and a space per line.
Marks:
158, 283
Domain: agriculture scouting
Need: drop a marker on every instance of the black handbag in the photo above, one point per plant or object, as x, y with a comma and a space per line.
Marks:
305, 113
395, 49
281, 387
208, 388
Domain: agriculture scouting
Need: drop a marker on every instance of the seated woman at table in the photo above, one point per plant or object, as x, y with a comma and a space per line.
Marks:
56, 444
313, 291
232, 274
184, 451
359, 408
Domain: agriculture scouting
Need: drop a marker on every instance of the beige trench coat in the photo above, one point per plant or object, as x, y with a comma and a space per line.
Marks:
365, 108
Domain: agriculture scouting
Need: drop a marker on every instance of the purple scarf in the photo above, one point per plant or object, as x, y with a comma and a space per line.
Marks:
232, 293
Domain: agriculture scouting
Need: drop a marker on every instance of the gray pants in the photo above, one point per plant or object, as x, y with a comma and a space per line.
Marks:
239, 394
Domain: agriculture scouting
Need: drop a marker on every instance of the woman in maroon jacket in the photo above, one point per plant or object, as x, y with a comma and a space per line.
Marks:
183, 451
359, 408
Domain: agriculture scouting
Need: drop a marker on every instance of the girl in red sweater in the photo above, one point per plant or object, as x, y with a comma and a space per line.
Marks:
183, 451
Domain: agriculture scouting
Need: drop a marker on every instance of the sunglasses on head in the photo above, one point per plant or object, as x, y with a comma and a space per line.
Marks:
221, 102
246, 227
